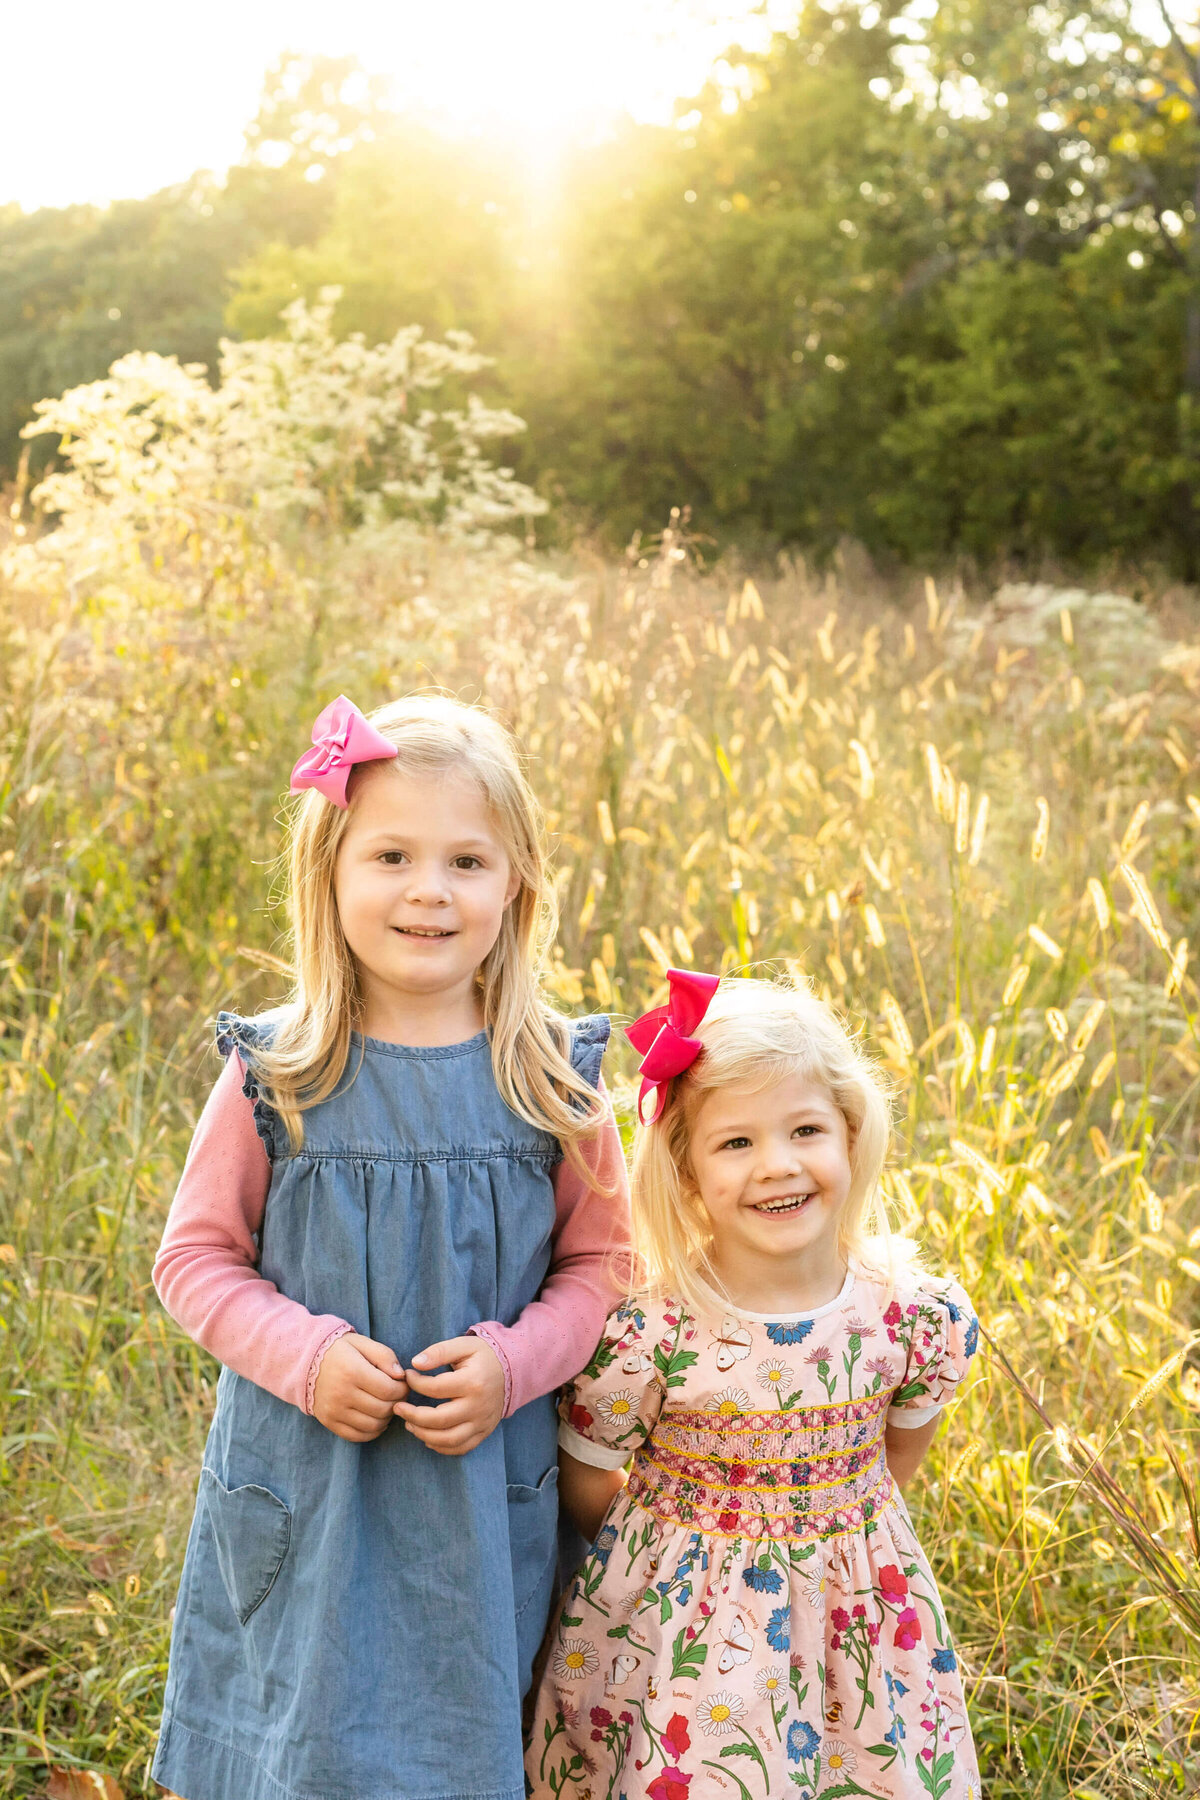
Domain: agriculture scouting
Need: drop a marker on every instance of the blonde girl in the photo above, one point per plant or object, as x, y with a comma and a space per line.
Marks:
410, 1167
756, 1609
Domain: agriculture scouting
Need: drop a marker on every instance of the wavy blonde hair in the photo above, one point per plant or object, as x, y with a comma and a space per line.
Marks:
530, 1044
756, 1033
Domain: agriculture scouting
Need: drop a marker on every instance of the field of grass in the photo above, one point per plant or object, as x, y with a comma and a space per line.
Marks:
975, 823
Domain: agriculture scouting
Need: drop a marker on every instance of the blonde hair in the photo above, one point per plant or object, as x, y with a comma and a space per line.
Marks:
530, 1042
756, 1033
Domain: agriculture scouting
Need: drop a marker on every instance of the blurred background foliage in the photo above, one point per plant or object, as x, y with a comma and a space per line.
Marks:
926, 277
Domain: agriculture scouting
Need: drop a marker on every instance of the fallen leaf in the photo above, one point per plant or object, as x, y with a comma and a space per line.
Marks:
82, 1784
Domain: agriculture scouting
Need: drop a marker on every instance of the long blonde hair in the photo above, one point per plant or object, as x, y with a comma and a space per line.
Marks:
756, 1033
310, 1047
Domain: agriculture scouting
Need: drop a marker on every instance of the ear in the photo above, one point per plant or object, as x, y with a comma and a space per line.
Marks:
513, 888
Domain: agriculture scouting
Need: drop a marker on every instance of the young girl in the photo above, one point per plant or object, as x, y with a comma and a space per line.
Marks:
756, 1617
410, 1167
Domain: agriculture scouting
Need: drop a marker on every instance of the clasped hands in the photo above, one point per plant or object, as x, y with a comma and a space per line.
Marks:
361, 1387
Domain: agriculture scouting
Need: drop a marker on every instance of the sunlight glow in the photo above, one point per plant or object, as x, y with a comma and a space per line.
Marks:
100, 103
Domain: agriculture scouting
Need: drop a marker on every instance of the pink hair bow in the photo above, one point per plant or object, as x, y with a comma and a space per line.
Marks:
664, 1035
341, 737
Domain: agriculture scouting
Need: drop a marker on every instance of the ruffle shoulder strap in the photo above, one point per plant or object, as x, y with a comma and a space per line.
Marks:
248, 1037
589, 1040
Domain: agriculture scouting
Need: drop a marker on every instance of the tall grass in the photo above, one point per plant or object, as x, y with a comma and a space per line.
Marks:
975, 827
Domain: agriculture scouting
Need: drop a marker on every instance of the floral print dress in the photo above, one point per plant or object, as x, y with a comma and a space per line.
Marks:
756, 1618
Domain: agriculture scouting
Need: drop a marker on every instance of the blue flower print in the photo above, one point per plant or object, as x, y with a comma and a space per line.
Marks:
954, 1311
971, 1343
790, 1334
779, 1633
606, 1537
895, 1733
894, 1686
944, 1661
802, 1740
762, 1581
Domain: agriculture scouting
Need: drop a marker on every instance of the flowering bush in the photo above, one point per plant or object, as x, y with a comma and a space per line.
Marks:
159, 468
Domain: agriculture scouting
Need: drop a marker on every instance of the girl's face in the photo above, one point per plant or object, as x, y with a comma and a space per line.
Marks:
422, 882
772, 1168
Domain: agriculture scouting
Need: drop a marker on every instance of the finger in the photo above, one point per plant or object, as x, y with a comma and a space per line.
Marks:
367, 1406
370, 1379
351, 1434
455, 1443
377, 1354
367, 1423
451, 1351
436, 1418
439, 1386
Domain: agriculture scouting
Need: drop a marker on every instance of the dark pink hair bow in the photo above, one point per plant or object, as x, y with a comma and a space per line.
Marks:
664, 1035
341, 737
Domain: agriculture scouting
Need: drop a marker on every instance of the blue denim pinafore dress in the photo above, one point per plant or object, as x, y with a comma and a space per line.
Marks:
358, 1621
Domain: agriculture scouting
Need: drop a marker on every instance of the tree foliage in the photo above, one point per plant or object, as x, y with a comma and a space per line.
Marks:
924, 275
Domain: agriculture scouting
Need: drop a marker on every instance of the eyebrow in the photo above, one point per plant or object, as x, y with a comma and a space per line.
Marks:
401, 840
803, 1115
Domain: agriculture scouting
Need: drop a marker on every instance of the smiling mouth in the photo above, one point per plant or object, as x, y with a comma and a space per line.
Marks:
422, 931
787, 1203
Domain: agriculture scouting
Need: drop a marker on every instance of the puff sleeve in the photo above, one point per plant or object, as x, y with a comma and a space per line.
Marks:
608, 1411
937, 1330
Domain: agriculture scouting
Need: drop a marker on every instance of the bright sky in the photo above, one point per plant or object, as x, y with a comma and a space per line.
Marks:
99, 102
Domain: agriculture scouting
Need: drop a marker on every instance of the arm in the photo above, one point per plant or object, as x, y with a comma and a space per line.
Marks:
905, 1448
554, 1336
587, 1492
206, 1272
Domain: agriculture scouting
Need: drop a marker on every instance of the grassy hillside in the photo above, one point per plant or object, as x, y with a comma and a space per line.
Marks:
975, 825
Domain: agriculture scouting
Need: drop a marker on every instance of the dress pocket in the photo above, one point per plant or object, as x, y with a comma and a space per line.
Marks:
251, 1531
532, 1535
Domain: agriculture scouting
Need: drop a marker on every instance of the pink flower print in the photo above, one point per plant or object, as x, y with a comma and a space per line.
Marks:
908, 1629
891, 1584
672, 1784
872, 1632
601, 1716
859, 1328
860, 1611
879, 1365
819, 1354
840, 1618
676, 1736
893, 1315
627, 1718
738, 1474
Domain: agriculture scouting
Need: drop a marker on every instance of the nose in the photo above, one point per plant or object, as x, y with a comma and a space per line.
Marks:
778, 1158
427, 885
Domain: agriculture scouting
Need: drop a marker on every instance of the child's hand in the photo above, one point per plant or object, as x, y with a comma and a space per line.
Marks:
358, 1384
471, 1396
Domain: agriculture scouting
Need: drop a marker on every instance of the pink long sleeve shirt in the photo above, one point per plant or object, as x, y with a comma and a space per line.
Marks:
207, 1277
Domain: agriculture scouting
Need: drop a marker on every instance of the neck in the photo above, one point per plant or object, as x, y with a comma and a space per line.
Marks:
448, 1016
769, 1284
